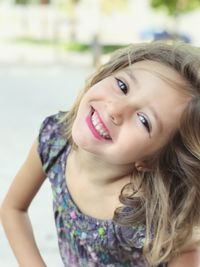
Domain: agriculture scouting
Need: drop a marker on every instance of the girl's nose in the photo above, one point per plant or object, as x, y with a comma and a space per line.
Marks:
118, 110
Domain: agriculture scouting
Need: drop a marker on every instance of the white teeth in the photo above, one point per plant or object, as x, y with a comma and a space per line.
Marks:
95, 122
99, 126
95, 119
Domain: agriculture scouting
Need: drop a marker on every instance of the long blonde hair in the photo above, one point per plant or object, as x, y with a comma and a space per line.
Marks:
170, 208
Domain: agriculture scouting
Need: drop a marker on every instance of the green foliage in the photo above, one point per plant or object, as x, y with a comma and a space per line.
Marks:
174, 7
69, 46
111, 48
77, 47
32, 41
83, 47
22, 2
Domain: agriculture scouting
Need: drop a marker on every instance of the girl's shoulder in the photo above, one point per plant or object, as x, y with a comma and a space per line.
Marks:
52, 125
51, 139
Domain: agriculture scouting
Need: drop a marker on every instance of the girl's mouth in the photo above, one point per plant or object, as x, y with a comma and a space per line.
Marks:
97, 126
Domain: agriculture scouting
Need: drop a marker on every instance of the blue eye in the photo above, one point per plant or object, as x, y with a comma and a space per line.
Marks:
145, 122
123, 87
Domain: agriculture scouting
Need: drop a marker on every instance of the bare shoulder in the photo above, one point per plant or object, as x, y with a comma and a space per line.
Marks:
187, 259
27, 181
190, 255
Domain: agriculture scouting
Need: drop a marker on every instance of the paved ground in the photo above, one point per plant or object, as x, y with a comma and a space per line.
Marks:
28, 93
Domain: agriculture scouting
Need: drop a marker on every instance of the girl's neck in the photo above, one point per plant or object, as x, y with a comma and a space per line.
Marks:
96, 170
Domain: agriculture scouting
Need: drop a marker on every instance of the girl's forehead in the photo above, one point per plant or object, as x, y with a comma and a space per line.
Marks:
154, 67
137, 72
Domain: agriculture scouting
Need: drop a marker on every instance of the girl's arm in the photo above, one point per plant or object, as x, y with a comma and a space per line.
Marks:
187, 259
14, 210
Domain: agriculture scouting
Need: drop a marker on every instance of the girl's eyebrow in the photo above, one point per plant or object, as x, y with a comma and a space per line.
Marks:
132, 77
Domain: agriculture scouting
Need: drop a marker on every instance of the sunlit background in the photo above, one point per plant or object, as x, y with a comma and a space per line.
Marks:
35, 31
47, 50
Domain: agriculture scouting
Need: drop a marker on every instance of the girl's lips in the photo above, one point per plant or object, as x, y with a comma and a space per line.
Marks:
92, 128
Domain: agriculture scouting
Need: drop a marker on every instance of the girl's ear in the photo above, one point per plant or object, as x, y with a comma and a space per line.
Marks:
142, 166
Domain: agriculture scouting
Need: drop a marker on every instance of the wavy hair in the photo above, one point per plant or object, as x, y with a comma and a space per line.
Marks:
170, 208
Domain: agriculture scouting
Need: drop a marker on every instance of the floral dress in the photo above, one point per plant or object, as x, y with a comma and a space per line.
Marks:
83, 241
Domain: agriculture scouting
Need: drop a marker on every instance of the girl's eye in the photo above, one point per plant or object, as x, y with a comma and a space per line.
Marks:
145, 122
122, 86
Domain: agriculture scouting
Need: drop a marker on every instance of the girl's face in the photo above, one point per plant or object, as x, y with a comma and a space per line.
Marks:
128, 116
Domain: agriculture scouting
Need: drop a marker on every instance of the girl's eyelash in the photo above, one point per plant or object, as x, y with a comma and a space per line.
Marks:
145, 122
122, 85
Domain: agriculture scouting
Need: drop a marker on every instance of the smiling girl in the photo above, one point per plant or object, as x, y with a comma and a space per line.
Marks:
123, 164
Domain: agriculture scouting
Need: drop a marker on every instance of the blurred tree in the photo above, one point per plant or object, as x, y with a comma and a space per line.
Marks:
175, 7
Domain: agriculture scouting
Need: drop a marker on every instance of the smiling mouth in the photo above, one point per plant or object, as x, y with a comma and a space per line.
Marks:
97, 126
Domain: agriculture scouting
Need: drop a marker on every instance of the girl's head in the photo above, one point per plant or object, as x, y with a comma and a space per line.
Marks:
165, 140
176, 65
131, 114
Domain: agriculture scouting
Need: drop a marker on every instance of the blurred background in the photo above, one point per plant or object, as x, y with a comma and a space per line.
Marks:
47, 50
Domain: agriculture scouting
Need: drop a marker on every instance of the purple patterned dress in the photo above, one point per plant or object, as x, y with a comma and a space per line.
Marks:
83, 241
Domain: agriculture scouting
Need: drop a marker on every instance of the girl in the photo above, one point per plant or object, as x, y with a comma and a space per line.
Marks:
124, 166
